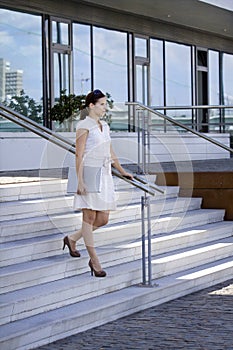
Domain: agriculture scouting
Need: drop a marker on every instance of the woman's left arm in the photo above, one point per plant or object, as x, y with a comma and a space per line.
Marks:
116, 164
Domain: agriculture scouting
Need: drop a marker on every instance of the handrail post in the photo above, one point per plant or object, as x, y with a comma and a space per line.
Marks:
149, 241
143, 240
146, 265
139, 140
146, 272
143, 144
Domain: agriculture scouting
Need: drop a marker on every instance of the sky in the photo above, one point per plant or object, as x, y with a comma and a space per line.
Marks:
226, 4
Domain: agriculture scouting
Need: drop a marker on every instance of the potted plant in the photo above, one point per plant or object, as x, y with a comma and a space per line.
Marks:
68, 107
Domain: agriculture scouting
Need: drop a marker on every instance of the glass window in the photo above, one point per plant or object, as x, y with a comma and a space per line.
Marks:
82, 59
142, 84
157, 91
213, 78
178, 74
140, 47
21, 62
60, 33
214, 95
61, 74
228, 79
110, 72
202, 58
178, 80
228, 90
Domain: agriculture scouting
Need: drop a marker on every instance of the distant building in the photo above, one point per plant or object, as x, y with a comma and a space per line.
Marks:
11, 82
4, 67
14, 83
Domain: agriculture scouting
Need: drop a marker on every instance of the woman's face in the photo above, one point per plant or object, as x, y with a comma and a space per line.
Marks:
100, 107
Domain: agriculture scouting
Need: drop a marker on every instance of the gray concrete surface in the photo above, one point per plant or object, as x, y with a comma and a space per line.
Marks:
199, 321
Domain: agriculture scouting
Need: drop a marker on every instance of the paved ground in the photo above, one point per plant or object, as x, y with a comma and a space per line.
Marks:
200, 321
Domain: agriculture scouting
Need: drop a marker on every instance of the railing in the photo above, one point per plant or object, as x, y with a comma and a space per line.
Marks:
222, 124
138, 181
144, 129
144, 132
66, 144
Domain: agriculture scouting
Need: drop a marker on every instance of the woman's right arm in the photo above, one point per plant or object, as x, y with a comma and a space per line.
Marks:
81, 138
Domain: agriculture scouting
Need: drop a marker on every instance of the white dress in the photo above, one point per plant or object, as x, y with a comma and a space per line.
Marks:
97, 153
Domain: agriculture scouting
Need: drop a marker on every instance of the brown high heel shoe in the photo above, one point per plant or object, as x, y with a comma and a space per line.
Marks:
73, 253
101, 273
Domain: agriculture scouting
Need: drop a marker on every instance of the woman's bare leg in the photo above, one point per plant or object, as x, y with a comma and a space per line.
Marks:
101, 219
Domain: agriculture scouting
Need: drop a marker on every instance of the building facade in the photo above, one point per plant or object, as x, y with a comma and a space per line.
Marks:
160, 53
14, 83
11, 81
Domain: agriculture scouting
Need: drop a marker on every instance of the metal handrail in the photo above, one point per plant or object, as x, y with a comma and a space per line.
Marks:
192, 107
69, 146
33, 123
183, 126
139, 182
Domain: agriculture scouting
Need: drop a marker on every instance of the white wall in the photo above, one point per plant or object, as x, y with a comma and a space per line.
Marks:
27, 151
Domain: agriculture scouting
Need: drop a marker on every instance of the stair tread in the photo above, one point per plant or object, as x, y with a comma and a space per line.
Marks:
109, 228
161, 258
101, 302
54, 294
32, 183
195, 250
67, 200
112, 270
70, 214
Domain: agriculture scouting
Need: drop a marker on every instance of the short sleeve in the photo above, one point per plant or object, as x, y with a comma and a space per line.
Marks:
85, 124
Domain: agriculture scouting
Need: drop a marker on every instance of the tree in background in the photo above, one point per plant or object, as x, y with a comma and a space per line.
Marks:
25, 105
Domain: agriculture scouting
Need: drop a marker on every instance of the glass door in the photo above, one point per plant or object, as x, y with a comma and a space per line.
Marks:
61, 58
142, 88
202, 89
139, 82
142, 70
57, 62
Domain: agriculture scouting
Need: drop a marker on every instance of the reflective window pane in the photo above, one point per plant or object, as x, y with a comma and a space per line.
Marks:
157, 91
178, 74
213, 78
140, 47
142, 84
21, 62
228, 79
82, 59
61, 74
110, 70
178, 79
60, 33
214, 94
228, 89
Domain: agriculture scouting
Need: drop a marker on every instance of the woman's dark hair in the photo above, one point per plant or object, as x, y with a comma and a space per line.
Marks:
93, 97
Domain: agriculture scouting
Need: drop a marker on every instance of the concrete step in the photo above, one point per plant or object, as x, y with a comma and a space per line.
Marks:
125, 234
55, 223
45, 328
29, 190
39, 188
50, 269
32, 300
20, 209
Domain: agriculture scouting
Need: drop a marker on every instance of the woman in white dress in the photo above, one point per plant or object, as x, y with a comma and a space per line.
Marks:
96, 197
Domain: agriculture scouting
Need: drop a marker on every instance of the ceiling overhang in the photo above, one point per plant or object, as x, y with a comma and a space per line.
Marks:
192, 14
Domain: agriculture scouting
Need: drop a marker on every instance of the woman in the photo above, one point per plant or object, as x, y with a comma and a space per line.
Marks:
94, 157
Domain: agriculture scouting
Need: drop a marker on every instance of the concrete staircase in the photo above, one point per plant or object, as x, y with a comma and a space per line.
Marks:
47, 295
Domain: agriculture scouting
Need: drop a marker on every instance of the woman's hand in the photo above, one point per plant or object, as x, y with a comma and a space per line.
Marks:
127, 175
81, 188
